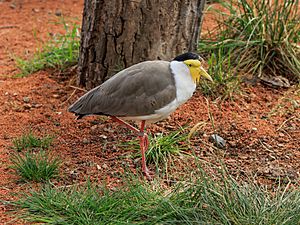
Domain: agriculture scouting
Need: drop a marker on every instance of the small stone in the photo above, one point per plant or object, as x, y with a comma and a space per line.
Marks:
37, 105
27, 106
98, 167
26, 99
35, 10
58, 12
5, 136
254, 128
55, 96
218, 141
85, 141
104, 166
103, 136
13, 5
94, 127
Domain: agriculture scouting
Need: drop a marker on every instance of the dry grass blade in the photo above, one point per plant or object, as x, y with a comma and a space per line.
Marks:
195, 128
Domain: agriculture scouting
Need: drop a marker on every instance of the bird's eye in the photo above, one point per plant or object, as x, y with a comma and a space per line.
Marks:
190, 65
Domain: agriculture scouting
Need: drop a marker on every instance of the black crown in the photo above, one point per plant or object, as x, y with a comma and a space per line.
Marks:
186, 56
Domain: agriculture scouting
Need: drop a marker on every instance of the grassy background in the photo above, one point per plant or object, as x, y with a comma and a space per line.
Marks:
60, 53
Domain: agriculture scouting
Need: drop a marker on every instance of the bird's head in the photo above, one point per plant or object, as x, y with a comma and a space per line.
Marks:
193, 62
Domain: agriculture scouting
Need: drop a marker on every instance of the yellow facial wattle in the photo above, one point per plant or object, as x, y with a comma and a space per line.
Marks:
197, 70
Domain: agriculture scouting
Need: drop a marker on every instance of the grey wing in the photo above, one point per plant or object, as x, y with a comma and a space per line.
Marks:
138, 90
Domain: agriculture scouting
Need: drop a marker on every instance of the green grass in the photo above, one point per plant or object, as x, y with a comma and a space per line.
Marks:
30, 141
35, 166
262, 37
205, 199
32, 160
162, 147
226, 80
60, 52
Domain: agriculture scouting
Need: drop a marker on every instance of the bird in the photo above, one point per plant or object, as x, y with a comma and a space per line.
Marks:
146, 92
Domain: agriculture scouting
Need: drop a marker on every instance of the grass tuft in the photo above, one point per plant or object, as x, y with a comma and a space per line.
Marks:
204, 200
261, 35
226, 81
35, 166
61, 52
162, 147
30, 141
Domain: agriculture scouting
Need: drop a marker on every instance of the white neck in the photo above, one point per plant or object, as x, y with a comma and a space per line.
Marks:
185, 86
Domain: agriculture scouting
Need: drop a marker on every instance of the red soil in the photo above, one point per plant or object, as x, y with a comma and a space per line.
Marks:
261, 125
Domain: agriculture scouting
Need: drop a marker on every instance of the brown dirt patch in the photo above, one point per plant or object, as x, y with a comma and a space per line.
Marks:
261, 125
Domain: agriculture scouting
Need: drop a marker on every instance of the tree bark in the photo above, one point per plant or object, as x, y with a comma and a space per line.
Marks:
119, 33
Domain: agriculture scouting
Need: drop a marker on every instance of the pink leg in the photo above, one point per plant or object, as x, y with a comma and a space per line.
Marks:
144, 142
126, 124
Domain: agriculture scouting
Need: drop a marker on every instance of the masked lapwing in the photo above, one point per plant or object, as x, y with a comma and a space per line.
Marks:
148, 92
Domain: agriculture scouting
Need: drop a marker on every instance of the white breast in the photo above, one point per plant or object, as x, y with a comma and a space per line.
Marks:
185, 86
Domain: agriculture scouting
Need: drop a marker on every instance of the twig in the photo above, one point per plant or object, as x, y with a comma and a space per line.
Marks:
8, 27
264, 145
77, 88
68, 98
210, 116
289, 136
284, 122
209, 147
69, 186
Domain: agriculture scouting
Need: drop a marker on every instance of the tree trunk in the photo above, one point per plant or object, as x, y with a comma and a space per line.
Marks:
119, 33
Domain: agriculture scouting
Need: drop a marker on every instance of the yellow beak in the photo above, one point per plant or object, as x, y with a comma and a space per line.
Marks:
205, 74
